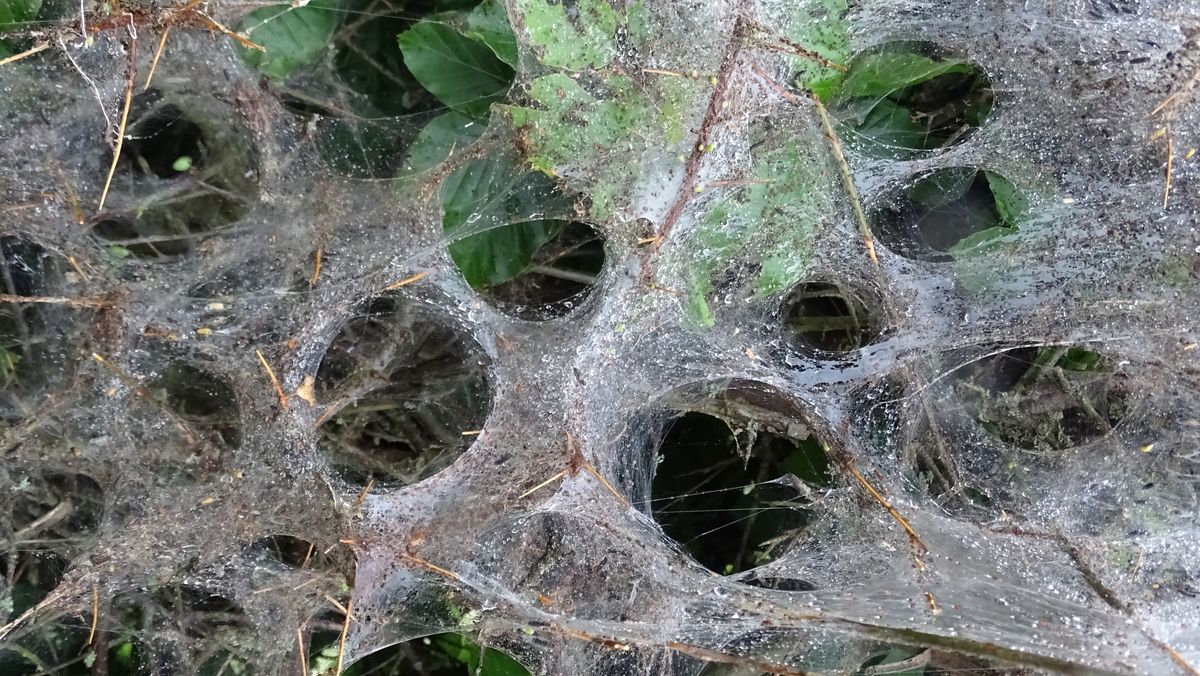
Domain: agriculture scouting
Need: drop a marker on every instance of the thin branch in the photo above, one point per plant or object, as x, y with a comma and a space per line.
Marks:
27, 53
112, 169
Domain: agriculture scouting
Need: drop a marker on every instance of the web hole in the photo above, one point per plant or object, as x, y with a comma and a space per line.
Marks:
184, 175
730, 511
202, 401
904, 98
950, 212
291, 551
162, 141
558, 277
404, 395
1045, 398
829, 318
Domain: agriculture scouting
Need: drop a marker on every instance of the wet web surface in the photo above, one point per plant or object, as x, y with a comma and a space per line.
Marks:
875, 358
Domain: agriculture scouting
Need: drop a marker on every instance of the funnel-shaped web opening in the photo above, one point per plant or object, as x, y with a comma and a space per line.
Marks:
946, 213
735, 490
829, 318
186, 170
404, 394
201, 400
1045, 398
904, 99
32, 335
558, 276
163, 141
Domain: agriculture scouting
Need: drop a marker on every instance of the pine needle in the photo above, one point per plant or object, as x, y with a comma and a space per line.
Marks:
112, 168
28, 52
283, 398
95, 613
406, 281
300, 649
1170, 159
342, 639
162, 42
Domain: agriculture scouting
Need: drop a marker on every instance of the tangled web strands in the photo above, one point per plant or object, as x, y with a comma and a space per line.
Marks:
1007, 426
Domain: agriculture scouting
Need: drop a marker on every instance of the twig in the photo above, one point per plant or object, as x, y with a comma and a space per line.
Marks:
300, 649
283, 398
669, 73
1174, 654
48, 520
220, 28
594, 472
162, 42
666, 289
1137, 565
860, 217
307, 555
334, 602
342, 639
577, 462
569, 275
691, 169
406, 281
1170, 159
56, 300
448, 574
362, 496
895, 514
28, 52
55, 596
312, 282
112, 168
795, 48
542, 485
95, 613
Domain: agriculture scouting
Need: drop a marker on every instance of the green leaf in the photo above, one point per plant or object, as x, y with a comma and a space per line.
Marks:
697, 300
1011, 203
292, 36
441, 135
488, 23
490, 217
981, 242
942, 187
1081, 359
879, 75
821, 26
889, 130
575, 43
462, 73
497, 255
809, 463
15, 12
497, 663
480, 662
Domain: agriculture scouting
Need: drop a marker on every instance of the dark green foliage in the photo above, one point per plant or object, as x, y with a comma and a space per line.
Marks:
896, 102
464, 74
733, 502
